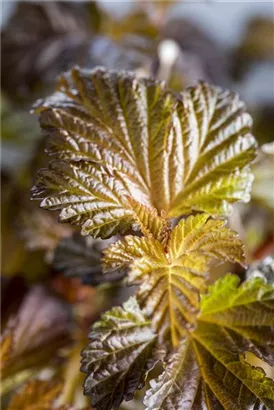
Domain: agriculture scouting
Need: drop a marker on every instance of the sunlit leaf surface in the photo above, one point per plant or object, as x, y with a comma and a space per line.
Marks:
171, 277
114, 136
209, 370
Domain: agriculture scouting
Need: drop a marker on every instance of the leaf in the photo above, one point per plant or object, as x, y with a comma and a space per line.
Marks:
94, 198
81, 256
13, 291
208, 371
177, 385
262, 191
262, 269
41, 231
171, 278
39, 41
36, 395
118, 357
115, 136
32, 337
6, 349
17, 126
73, 379
152, 224
255, 46
137, 23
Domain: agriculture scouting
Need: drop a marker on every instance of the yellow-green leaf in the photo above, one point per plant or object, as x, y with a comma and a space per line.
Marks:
115, 136
209, 371
171, 277
151, 224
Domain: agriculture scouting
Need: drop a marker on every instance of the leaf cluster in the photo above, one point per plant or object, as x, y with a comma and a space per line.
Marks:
149, 176
131, 158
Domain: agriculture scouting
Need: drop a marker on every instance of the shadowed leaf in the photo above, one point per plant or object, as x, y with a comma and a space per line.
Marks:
81, 256
262, 269
118, 357
41, 231
39, 41
32, 337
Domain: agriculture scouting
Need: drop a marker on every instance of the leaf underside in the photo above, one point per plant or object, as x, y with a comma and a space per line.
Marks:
172, 276
118, 357
209, 370
116, 137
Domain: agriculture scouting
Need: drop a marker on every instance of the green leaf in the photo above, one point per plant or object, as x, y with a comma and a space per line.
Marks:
171, 277
248, 311
118, 357
116, 137
209, 371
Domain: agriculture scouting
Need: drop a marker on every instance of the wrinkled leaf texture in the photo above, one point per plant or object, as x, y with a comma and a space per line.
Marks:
119, 356
172, 275
209, 370
115, 136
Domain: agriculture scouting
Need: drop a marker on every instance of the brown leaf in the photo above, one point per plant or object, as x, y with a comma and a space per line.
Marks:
36, 395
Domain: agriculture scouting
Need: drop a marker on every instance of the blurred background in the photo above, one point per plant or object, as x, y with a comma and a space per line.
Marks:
46, 266
227, 43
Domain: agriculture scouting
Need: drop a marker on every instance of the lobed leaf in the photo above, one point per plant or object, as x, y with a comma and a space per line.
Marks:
86, 193
171, 277
118, 357
117, 137
208, 371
